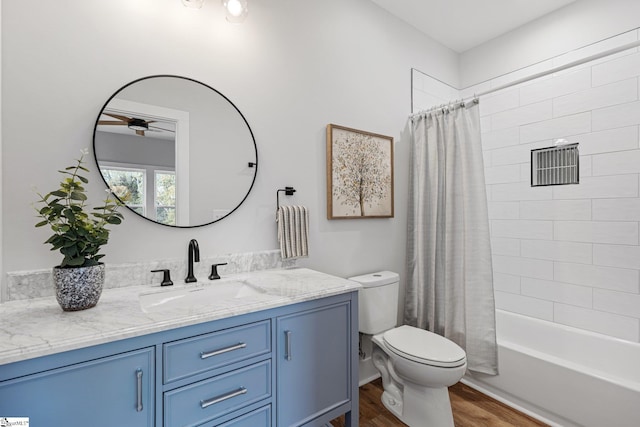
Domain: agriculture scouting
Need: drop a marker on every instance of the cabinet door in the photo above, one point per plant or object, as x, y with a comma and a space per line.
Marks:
112, 391
313, 365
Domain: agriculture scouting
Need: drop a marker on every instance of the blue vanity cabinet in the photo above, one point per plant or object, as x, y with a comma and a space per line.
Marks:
292, 365
314, 365
111, 391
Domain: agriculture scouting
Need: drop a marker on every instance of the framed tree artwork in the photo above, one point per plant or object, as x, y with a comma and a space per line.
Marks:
359, 174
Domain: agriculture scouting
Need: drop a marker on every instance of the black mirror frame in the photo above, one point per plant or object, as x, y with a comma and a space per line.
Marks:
251, 164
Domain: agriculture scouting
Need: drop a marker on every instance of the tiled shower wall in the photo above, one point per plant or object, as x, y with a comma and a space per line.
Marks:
568, 254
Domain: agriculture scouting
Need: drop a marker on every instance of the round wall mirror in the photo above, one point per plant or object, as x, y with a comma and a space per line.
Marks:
175, 151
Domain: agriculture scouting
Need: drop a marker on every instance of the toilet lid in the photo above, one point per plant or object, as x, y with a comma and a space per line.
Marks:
424, 347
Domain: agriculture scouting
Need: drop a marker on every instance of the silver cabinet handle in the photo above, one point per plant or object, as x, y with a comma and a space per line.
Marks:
139, 391
222, 398
206, 354
287, 344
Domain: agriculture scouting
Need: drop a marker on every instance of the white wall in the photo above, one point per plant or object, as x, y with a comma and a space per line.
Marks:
574, 26
291, 68
2, 289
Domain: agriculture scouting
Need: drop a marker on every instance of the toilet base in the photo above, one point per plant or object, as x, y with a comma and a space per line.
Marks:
426, 407
392, 404
417, 405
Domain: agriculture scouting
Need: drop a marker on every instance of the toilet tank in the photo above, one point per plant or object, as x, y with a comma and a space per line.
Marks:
377, 301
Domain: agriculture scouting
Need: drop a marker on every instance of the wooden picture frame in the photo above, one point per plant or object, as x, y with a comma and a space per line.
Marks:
359, 174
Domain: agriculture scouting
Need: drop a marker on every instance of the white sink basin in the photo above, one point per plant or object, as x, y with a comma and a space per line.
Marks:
201, 297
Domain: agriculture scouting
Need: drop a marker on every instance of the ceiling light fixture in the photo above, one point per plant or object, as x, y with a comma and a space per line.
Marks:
194, 4
236, 10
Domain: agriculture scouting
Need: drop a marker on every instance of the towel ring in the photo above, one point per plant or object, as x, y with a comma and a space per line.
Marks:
288, 191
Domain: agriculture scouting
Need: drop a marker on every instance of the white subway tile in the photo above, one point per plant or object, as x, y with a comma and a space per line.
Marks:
606, 141
510, 155
597, 321
557, 251
617, 279
527, 306
438, 88
424, 101
486, 157
517, 154
470, 91
617, 69
616, 117
519, 116
541, 269
521, 229
599, 187
598, 97
485, 124
560, 127
622, 256
525, 173
527, 267
522, 73
556, 86
500, 138
598, 47
417, 78
506, 283
623, 233
558, 292
503, 246
618, 163
617, 302
500, 101
520, 191
586, 166
504, 210
507, 264
556, 210
616, 209
502, 174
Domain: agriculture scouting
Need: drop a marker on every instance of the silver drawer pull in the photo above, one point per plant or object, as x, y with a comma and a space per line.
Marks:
206, 354
139, 391
214, 400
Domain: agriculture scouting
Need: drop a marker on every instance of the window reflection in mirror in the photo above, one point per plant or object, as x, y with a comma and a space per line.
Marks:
175, 151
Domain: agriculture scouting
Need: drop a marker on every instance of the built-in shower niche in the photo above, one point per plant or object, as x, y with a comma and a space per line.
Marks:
557, 165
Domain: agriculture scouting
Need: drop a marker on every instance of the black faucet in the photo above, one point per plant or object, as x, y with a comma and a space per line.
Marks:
194, 255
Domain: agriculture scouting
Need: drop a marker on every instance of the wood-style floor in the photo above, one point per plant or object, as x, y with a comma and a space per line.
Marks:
470, 409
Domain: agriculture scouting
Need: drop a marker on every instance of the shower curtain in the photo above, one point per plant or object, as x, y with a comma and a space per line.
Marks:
449, 271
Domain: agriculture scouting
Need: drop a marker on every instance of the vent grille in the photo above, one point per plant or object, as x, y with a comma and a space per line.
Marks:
558, 165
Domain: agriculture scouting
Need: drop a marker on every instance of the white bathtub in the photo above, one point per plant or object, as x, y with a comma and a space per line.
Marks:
564, 376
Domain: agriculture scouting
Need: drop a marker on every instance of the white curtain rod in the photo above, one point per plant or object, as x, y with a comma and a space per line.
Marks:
560, 68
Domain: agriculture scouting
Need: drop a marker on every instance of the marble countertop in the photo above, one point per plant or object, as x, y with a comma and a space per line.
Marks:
38, 327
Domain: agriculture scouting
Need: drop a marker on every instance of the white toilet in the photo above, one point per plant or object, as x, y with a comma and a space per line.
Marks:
416, 366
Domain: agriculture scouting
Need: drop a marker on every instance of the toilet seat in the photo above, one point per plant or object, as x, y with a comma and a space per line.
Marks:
424, 347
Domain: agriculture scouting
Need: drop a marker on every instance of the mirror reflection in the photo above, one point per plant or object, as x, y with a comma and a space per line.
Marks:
175, 151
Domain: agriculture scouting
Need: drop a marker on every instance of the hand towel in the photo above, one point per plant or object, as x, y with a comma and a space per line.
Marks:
293, 231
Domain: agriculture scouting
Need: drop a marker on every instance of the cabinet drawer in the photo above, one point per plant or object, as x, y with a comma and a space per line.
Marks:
205, 400
199, 354
259, 418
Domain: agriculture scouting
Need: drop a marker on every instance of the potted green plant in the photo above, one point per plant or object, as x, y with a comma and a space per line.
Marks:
78, 235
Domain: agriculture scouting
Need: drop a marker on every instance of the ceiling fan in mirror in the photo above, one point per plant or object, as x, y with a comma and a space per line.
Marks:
138, 125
